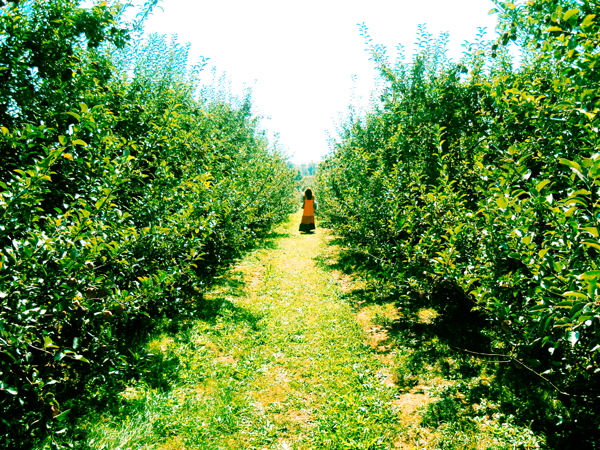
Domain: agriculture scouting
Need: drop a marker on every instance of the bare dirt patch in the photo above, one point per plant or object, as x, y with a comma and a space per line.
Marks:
227, 360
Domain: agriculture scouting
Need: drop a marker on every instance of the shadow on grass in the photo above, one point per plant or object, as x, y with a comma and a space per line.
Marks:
478, 386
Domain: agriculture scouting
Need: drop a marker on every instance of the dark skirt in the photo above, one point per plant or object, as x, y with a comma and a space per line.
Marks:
307, 224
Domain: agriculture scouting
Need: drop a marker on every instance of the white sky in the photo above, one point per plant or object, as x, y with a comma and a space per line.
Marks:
300, 57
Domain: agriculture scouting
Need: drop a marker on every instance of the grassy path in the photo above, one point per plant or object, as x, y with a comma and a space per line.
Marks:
292, 354
282, 363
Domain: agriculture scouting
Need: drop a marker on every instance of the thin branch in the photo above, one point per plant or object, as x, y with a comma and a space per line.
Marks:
483, 354
513, 360
41, 349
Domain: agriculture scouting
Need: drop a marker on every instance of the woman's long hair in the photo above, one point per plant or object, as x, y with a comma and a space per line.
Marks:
308, 194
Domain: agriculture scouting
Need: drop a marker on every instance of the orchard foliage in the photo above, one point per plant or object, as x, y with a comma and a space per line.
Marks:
123, 189
481, 178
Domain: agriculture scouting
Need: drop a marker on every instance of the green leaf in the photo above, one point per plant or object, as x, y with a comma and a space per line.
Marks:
570, 13
592, 244
580, 192
544, 323
75, 115
83, 107
595, 170
543, 252
492, 11
575, 294
575, 200
554, 29
502, 202
79, 142
4, 130
62, 415
589, 275
563, 105
589, 20
571, 164
576, 310
592, 230
541, 185
48, 343
518, 193
12, 390
565, 304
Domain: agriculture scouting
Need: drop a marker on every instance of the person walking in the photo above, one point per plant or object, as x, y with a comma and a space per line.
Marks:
309, 205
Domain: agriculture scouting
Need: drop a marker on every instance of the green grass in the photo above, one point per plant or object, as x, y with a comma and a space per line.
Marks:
284, 364
292, 354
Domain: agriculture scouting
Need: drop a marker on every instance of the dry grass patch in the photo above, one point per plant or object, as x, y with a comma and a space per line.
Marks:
301, 416
132, 393
227, 360
417, 439
427, 315
173, 444
410, 404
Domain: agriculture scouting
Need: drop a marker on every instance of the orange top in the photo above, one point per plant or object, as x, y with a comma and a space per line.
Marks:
309, 210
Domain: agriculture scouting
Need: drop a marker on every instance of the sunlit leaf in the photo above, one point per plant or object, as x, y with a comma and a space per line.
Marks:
588, 21
592, 230
502, 202
542, 184
589, 275
571, 164
570, 13
592, 244
75, 115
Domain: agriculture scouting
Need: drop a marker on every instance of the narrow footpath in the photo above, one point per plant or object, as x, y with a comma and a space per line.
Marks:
283, 363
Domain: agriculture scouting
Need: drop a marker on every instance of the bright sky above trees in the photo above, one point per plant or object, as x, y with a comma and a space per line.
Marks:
301, 58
